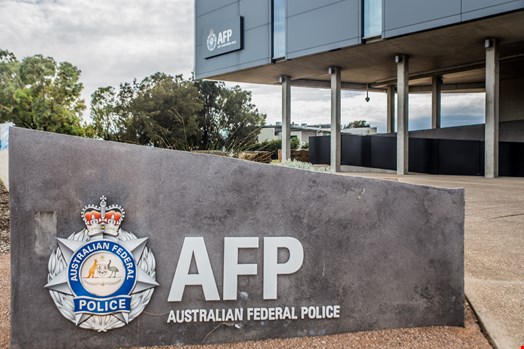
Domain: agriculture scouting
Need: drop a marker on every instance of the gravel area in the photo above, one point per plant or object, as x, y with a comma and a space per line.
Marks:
5, 299
4, 219
426, 337
5, 274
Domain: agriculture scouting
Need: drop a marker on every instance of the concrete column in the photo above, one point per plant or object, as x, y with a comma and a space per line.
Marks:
402, 113
390, 106
286, 117
491, 161
436, 101
336, 85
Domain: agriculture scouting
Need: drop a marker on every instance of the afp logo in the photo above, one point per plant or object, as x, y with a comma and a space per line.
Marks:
222, 40
102, 277
211, 41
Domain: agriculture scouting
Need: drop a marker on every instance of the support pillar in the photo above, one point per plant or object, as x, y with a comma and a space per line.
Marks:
336, 85
491, 161
402, 113
286, 117
390, 106
436, 101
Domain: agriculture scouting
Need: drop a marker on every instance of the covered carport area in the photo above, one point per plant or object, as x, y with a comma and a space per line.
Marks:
476, 56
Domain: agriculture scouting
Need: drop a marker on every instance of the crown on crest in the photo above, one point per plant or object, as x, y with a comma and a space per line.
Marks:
103, 219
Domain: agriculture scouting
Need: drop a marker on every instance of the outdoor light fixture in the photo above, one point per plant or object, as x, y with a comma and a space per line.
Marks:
489, 43
332, 70
367, 93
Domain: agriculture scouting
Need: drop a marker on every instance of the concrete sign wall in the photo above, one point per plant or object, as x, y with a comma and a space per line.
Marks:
117, 245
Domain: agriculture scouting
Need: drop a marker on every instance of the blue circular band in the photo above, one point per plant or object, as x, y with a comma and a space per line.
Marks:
74, 276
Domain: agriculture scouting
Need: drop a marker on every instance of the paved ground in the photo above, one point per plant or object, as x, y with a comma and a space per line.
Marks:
494, 250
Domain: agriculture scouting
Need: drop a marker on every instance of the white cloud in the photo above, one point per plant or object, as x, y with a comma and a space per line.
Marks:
110, 41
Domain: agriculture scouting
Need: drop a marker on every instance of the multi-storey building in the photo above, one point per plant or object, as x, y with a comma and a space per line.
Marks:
394, 46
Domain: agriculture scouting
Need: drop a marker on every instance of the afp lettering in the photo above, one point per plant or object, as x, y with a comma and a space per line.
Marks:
195, 248
224, 36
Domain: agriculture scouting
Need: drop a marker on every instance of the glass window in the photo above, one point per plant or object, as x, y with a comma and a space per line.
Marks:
279, 29
372, 18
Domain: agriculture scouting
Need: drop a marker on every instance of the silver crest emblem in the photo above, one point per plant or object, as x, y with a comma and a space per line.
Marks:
211, 41
102, 277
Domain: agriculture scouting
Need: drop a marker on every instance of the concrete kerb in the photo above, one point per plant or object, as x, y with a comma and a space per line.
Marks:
481, 324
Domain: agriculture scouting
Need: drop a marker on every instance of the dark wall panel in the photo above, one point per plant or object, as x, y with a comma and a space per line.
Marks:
356, 150
511, 160
461, 157
384, 152
319, 150
433, 156
423, 155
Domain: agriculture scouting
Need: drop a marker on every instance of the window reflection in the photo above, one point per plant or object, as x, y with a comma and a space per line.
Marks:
279, 29
372, 18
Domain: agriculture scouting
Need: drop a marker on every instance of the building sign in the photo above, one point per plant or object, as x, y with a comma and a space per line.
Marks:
194, 247
103, 277
223, 38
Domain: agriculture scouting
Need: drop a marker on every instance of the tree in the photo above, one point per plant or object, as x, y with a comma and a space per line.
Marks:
41, 94
240, 118
171, 112
9, 82
106, 121
160, 111
228, 119
209, 93
357, 124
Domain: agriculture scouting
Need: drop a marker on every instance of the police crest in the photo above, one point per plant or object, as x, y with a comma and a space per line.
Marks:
211, 41
103, 276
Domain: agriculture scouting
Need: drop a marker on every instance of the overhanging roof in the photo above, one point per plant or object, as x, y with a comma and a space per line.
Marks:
455, 52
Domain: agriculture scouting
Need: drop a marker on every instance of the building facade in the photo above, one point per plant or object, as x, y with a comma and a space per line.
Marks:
300, 132
397, 47
303, 132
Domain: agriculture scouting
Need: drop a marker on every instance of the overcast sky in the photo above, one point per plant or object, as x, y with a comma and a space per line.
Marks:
114, 41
